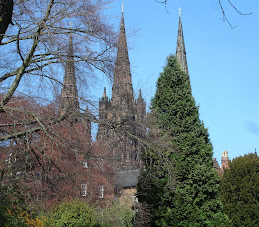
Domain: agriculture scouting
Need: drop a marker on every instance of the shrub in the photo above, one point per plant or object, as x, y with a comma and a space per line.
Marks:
72, 213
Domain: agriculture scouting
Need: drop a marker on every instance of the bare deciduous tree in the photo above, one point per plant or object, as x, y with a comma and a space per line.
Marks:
34, 51
35, 46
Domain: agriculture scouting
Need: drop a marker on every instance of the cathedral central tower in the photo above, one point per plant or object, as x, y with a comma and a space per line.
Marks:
121, 116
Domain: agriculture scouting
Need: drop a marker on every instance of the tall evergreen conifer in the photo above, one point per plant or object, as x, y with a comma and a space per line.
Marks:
193, 201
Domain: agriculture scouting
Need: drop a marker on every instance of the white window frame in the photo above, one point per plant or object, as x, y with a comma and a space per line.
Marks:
101, 191
84, 189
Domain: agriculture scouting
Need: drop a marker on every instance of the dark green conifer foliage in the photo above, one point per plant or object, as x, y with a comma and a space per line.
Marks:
193, 201
239, 190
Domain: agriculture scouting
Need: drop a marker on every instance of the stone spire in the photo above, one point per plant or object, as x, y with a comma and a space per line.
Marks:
141, 108
140, 98
124, 114
180, 48
69, 95
122, 90
140, 94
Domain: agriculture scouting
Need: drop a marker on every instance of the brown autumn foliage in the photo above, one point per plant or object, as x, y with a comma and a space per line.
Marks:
57, 163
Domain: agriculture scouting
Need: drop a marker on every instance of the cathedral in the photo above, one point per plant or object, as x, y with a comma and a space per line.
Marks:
97, 170
122, 118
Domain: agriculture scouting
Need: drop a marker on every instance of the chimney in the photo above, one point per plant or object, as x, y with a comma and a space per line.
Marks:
224, 160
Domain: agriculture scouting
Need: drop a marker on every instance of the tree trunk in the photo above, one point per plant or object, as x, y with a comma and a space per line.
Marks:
6, 10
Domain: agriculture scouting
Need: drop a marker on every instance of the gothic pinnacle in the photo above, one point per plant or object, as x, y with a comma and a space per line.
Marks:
140, 95
104, 92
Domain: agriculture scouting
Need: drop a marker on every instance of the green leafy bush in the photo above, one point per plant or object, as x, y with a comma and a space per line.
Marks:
116, 214
72, 213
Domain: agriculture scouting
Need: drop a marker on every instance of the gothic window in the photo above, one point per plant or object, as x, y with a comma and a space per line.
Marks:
84, 189
101, 191
85, 164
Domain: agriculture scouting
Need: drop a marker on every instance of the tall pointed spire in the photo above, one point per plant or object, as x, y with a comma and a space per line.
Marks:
122, 90
69, 95
141, 107
180, 48
126, 115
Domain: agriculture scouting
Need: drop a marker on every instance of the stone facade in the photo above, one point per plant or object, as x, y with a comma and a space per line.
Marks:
122, 118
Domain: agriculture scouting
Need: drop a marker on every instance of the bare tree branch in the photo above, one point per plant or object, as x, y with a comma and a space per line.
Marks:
28, 58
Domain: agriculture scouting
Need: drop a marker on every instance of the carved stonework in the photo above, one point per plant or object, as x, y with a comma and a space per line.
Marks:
180, 48
69, 103
69, 95
121, 117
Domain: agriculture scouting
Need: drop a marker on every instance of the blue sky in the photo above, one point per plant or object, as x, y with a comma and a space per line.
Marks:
222, 62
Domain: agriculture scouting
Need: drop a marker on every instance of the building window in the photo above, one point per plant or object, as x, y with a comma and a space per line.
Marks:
85, 164
9, 159
84, 189
101, 191
134, 199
